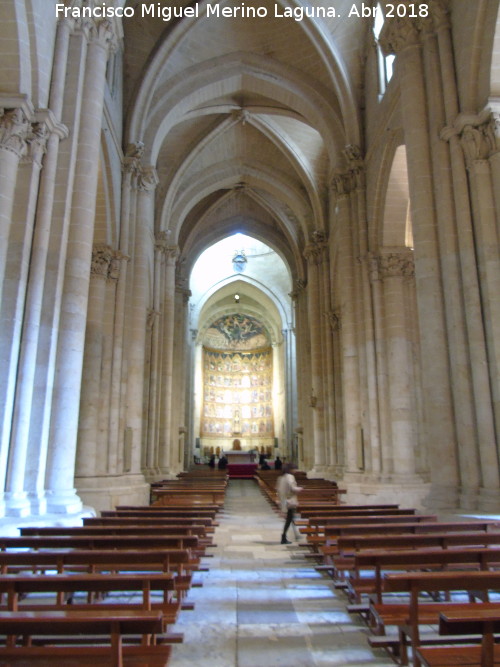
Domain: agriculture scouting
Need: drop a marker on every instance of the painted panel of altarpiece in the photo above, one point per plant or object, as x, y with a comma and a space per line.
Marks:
237, 378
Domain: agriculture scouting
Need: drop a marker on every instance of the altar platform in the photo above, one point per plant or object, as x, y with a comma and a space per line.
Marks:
239, 456
241, 470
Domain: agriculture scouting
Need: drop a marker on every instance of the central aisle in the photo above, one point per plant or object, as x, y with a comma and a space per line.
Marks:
262, 604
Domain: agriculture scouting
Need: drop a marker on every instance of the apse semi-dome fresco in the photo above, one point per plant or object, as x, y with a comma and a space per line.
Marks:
236, 332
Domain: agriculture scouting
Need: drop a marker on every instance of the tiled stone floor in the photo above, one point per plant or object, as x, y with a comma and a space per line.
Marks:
262, 604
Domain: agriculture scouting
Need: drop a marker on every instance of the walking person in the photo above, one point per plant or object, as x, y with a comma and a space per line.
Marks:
287, 489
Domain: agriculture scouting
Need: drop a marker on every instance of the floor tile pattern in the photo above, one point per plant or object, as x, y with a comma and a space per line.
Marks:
262, 604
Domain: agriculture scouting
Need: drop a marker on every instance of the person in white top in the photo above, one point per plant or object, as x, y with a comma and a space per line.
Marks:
287, 489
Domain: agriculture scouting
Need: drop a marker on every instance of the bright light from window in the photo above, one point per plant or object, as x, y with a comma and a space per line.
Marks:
379, 21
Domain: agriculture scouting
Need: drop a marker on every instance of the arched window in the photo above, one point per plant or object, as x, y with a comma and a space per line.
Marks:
385, 63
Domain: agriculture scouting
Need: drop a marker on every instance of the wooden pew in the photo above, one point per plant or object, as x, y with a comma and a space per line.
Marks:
17, 588
410, 615
322, 511
338, 558
349, 544
177, 510
116, 529
327, 533
149, 521
484, 622
333, 532
192, 497
124, 530
177, 561
76, 625
99, 542
378, 563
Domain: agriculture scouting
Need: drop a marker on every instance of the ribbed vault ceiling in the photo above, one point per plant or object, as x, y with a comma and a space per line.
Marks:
245, 120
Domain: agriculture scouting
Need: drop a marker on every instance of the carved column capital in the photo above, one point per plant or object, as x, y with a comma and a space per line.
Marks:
115, 264
131, 162
299, 288
341, 184
101, 259
14, 131
401, 33
315, 250
102, 33
440, 13
147, 179
396, 264
479, 134
36, 144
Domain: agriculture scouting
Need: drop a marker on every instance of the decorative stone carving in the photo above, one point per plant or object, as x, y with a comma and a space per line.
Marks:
300, 286
103, 34
396, 265
132, 159
334, 321
148, 179
341, 184
36, 143
14, 131
479, 142
440, 13
373, 266
315, 250
241, 115
101, 259
399, 34
115, 264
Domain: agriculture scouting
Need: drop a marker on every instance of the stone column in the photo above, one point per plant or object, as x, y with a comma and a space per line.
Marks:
157, 416
341, 188
327, 354
67, 384
168, 312
180, 368
14, 130
337, 454
370, 413
479, 142
131, 171
314, 253
13, 305
88, 455
435, 52
15, 127
395, 268
290, 373
141, 299
303, 364
384, 465
402, 37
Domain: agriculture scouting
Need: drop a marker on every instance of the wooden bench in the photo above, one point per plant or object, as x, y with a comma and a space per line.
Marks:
191, 497
484, 622
333, 532
18, 587
99, 542
410, 615
118, 520
156, 510
322, 512
123, 530
378, 563
76, 626
338, 558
